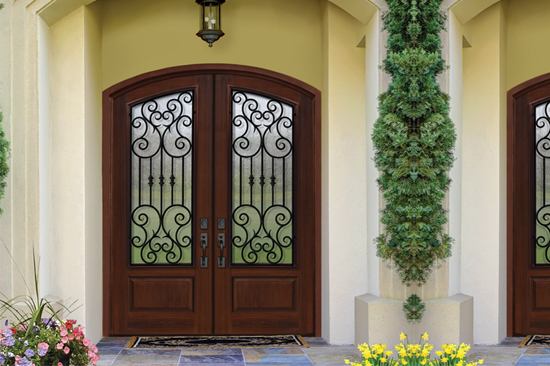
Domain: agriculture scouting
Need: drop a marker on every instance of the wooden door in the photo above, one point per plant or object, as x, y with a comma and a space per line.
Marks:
528, 210
211, 203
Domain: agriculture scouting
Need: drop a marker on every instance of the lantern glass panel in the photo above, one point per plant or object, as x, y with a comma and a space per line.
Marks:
210, 19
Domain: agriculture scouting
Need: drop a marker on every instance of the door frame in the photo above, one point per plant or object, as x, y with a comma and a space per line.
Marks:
513, 164
107, 150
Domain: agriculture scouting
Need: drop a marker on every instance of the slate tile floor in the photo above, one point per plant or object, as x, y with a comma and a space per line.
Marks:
112, 352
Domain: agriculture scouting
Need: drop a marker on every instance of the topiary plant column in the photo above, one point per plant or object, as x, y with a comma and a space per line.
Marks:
414, 141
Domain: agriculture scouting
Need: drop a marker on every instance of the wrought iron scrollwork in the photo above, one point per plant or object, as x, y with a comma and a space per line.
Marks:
542, 149
161, 184
262, 148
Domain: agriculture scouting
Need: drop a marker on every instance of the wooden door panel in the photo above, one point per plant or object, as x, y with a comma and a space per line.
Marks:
288, 290
528, 282
157, 298
540, 294
270, 294
163, 294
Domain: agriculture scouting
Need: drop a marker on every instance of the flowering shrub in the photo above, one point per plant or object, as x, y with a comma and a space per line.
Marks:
414, 355
48, 342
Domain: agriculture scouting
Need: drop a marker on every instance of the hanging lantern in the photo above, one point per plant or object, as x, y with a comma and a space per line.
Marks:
210, 20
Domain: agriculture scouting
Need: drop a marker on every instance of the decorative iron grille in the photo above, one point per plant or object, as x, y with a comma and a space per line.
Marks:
161, 180
262, 158
542, 183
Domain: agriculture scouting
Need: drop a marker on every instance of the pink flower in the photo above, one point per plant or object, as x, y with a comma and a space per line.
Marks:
78, 337
64, 333
94, 349
64, 339
66, 350
59, 364
59, 346
86, 342
44, 345
18, 359
71, 337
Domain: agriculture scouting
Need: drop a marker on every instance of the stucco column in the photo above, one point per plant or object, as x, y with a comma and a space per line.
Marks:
449, 314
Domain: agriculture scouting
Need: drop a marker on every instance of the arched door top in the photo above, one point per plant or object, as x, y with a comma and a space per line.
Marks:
198, 69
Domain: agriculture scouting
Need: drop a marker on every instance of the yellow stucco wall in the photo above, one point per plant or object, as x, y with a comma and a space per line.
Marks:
527, 34
144, 35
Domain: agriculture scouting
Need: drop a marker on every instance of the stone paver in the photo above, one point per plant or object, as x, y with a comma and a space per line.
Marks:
319, 353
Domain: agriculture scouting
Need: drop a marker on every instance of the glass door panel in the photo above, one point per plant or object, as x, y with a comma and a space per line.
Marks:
542, 183
262, 180
161, 182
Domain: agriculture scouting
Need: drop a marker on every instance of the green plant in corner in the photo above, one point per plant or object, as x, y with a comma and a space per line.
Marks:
414, 141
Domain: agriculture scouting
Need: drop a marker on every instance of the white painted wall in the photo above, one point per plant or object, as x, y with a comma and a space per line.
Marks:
455, 34
483, 120
93, 195
6, 222
67, 115
75, 167
372, 90
46, 256
345, 184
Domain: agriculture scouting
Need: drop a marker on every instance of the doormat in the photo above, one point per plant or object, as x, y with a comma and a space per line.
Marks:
217, 342
536, 341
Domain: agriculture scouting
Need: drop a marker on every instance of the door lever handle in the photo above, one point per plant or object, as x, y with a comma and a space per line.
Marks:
204, 245
221, 245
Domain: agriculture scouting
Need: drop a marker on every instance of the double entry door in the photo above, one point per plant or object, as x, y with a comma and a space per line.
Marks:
210, 204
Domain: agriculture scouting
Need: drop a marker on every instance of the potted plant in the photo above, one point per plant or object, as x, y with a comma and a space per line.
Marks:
48, 342
36, 341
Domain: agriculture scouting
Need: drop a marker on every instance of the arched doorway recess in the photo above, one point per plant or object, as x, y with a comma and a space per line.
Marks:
211, 199
528, 191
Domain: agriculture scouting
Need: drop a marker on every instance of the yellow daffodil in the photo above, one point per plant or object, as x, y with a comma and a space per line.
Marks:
439, 353
388, 353
423, 362
425, 353
444, 359
404, 362
425, 336
383, 359
402, 336
480, 362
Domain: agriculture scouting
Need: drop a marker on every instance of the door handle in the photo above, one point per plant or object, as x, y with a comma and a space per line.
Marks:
204, 245
221, 245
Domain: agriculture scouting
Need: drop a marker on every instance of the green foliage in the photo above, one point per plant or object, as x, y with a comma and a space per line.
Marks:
414, 308
414, 141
